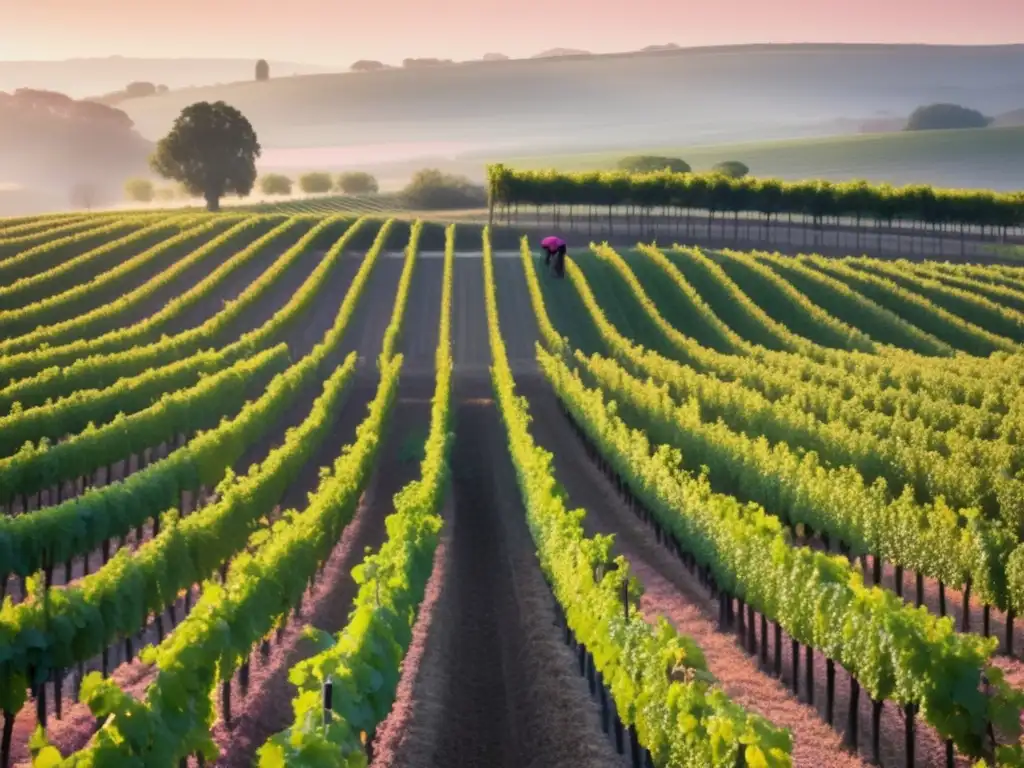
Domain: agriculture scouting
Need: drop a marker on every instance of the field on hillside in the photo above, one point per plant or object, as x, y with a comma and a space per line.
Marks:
991, 158
294, 489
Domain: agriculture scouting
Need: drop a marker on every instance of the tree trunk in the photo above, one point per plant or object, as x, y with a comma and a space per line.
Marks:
212, 202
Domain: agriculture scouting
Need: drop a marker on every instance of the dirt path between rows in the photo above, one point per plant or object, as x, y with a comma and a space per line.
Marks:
494, 685
266, 709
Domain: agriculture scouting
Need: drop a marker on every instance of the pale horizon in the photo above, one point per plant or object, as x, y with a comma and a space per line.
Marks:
390, 30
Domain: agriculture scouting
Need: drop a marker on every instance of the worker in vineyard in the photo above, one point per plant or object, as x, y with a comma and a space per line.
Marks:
554, 249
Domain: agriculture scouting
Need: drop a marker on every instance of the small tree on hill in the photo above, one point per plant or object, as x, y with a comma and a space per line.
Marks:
732, 168
367, 65
84, 194
275, 184
945, 116
139, 190
357, 183
212, 150
430, 189
315, 183
651, 163
262, 70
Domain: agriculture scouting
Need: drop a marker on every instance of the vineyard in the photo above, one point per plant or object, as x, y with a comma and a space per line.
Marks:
314, 487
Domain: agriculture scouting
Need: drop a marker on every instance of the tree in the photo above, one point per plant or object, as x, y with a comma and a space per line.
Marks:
212, 150
357, 183
651, 163
262, 70
315, 183
139, 190
275, 184
165, 194
368, 65
734, 169
945, 116
139, 89
84, 195
430, 189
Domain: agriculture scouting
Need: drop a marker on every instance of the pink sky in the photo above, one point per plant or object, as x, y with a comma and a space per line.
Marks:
341, 31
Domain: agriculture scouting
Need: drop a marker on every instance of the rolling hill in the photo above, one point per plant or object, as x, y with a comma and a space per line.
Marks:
81, 78
672, 97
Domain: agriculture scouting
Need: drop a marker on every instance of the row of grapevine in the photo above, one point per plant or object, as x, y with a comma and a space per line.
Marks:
1002, 295
769, 197
100, 362
117, 599
392, 583
12, 245
45, 465
901, 369
73, 413
897, 368
73, 313
53, 535
71, 272
23, 225
965, 470
790, 307
701, 321
676, 717
1004, 276
820, 601
955, 546
947, 327
837, 298
831, 387
260, 591
63, 340
47, 250
969, 306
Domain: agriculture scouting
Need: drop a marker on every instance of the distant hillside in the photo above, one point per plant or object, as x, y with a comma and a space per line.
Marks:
82, 78
672, 97
985, 158
51, 143
1013, 118
554, 52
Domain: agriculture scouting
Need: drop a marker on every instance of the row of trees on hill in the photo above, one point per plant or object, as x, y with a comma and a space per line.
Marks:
319, 182
816, 201
734, 169
211, 151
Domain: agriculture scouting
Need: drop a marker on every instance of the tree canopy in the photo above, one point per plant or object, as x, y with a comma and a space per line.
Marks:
430, 189
262, 70
367, 65
816, 199
357, 183
734, 169
315, 182
275, 184
945, 116
212, 150
649, 163
139, 190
